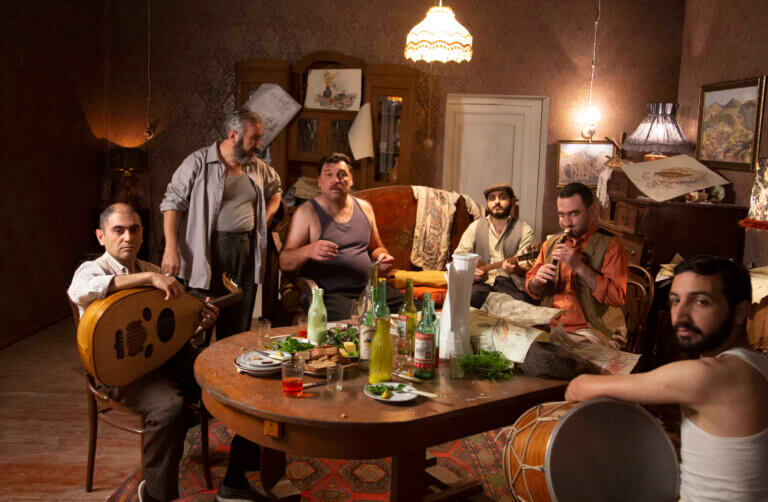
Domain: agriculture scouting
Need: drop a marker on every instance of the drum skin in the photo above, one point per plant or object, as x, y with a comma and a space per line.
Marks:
598, 450
526, 449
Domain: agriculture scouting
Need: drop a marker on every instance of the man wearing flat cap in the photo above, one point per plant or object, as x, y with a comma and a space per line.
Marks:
498, 237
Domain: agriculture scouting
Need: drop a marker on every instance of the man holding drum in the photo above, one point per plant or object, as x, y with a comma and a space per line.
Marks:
723, 393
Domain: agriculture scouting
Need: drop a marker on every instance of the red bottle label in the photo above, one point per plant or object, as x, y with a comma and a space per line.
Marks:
424, 350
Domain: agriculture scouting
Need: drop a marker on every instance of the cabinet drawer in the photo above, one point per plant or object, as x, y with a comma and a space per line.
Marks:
618, 184
634, 250
626, 216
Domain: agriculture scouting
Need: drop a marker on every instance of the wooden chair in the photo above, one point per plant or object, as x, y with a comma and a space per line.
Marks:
102, 407
640, 291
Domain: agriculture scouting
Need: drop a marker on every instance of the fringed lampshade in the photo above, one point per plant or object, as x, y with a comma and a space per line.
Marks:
658, 132
439, 37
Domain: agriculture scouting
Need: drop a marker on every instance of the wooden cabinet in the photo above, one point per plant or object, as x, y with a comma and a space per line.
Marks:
654, 231
314, 133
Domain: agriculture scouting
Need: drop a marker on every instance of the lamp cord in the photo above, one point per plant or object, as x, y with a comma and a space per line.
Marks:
149, 55
594, 53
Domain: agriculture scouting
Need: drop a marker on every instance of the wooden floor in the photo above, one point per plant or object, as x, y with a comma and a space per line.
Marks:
44, 429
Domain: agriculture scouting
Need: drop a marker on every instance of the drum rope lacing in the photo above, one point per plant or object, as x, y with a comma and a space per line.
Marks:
514, 431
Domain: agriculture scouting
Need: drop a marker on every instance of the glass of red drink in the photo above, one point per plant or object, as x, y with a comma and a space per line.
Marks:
301, 322
293, 376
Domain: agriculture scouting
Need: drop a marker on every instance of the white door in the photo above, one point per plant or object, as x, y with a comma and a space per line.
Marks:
497, 139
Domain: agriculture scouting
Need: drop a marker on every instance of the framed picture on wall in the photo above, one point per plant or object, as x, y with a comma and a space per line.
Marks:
730, 116
581, 161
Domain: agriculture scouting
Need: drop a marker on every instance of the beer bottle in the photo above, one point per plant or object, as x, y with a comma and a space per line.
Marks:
367, 327
424, 347
317, 318
380, 367
406, 322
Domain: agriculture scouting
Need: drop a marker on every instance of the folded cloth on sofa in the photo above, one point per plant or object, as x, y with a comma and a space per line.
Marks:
435, 209
431, 278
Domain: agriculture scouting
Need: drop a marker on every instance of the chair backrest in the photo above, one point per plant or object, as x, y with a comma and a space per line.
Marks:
395, 210
757, 326
640, 291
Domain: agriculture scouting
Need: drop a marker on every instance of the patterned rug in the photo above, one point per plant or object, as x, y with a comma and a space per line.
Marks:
327, 480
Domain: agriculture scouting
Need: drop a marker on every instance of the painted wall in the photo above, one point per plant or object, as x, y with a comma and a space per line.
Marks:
722, 41
50, 79
526, 47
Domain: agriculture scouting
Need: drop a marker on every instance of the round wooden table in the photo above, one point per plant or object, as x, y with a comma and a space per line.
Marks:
350, 425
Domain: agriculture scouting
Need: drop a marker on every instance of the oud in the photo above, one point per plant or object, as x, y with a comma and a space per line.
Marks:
134, 331
513, 260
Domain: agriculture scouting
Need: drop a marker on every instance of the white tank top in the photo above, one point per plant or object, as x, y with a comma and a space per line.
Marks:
715, 468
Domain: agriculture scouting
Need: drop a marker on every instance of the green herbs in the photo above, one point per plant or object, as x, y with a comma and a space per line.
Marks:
292, 345
339, 334
380, 388
490, 365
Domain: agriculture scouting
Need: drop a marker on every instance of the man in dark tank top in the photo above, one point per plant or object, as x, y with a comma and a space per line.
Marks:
333, 239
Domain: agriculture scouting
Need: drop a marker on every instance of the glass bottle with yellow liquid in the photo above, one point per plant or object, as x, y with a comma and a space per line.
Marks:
380, 366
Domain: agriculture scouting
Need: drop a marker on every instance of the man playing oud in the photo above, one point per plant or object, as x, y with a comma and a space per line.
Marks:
160, 394
498, 238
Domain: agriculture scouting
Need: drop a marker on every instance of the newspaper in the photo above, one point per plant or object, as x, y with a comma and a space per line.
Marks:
275, 107
491, 332
519, 312
611, 361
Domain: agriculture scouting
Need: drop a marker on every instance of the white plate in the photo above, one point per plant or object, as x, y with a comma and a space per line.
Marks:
264, 372
255, 360
397, 397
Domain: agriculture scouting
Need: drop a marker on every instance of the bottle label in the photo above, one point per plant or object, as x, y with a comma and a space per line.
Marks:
424, 351
402, 334
366, 337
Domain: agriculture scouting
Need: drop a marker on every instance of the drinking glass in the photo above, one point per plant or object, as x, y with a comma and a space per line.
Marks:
301, 322
264, 327
293, 376
334, 377
457, 370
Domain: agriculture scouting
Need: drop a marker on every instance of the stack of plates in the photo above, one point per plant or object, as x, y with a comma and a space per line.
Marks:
259, 363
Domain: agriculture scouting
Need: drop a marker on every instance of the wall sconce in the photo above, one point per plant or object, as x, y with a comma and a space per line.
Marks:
127, 163
590, 117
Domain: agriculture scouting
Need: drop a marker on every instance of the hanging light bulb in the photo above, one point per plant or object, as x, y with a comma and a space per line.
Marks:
439, 37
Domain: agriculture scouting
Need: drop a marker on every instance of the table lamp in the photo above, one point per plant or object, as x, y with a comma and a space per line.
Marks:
658, 134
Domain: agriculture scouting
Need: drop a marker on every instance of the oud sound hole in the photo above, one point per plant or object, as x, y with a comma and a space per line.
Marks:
146, 314
166, 325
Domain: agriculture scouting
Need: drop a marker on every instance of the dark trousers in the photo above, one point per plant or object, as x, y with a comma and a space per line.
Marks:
160, 396
502, 284
232, 253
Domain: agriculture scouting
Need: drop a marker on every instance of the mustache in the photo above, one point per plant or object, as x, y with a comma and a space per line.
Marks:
688, 326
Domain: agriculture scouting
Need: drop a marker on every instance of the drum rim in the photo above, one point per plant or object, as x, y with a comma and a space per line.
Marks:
591, 402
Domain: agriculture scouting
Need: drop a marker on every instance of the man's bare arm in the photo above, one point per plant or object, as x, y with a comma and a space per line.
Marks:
273, 204
171, 263
684, 382
298, 248
169, 285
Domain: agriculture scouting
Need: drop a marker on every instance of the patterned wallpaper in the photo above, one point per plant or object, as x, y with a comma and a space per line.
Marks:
525, 47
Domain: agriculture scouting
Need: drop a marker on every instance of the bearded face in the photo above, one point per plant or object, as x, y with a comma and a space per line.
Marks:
499, 204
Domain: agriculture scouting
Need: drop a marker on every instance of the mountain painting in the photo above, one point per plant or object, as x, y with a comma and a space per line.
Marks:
727, 125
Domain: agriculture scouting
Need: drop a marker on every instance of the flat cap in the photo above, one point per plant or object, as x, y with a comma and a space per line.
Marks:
497, 187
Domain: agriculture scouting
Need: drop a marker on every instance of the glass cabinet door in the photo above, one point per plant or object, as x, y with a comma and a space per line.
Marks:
388, 118
339, 141
307, 137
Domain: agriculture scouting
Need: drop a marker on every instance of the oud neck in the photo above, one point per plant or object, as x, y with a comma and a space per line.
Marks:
227, 299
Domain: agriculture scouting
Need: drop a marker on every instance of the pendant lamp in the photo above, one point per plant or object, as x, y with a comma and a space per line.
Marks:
439, 37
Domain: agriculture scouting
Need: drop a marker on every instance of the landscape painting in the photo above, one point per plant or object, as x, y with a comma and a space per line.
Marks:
581, 161
730, 115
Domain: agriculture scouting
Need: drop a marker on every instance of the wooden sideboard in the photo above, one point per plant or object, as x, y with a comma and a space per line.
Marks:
653, 232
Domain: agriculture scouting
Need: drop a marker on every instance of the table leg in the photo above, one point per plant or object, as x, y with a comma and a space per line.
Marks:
273, 478
408, 477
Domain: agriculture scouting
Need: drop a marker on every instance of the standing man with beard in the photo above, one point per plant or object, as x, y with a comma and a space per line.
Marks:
723, 393
497, 237
216, 211
582, 271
